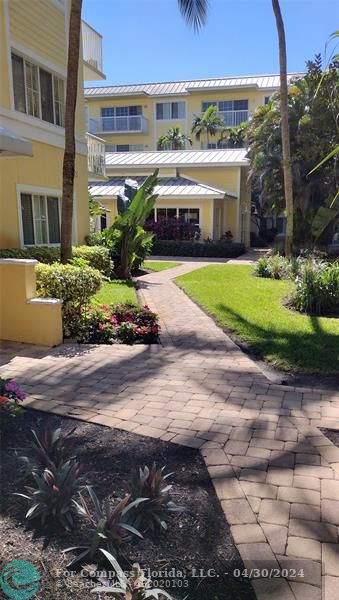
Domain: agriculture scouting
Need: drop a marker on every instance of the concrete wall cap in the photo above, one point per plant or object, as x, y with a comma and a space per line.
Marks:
44, 301
18, 261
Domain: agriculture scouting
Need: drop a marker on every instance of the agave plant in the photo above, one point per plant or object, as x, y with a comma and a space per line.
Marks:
52, 498
135, 587
152, 485
108, 524
51, 447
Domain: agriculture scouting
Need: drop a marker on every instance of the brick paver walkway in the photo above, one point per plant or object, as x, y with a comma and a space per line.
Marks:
276, 475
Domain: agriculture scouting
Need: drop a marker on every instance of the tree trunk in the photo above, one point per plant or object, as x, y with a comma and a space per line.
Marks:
69, 154
285, 133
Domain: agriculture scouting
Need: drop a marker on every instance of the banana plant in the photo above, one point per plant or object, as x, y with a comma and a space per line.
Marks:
129, 225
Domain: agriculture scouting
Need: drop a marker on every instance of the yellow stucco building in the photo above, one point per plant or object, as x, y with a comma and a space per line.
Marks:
33, 58
205, 183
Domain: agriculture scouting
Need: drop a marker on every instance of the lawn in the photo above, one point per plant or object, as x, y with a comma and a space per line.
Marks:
115, 292
253, 309
161, 265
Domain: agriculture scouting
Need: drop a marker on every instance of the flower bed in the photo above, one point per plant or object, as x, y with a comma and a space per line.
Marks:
11, 394
120, 324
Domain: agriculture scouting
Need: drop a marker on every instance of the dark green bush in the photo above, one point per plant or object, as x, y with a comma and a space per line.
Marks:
98, 257
317, 288
197, 249
74, 285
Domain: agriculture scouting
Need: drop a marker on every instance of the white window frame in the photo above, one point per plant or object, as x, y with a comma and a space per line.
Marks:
28, 59
36, 191
171, 118
176, 208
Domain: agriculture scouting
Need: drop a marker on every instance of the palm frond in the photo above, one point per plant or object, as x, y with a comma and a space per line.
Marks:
194, 12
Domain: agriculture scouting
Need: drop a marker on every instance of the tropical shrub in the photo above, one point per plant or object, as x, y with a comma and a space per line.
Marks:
122, 323
152, 485
49, 448
98, 256
317, 288
107, 522
274, 267
172, 229
135, 587
222, 249
11, 394
52, 497
74, 285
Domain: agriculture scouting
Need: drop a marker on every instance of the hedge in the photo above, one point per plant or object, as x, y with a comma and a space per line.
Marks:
206, 249
98, 257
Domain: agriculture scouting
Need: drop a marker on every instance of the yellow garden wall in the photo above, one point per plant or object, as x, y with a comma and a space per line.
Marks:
23, 317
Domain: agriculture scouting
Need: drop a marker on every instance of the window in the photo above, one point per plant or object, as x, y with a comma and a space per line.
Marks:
167, 111
226, 105
37, 92
40, 217
59, 101
267, 99
19, 83
124, 147
121, 118
190, 215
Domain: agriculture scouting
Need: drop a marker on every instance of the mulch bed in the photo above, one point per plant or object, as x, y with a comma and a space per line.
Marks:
198, 538
332, 434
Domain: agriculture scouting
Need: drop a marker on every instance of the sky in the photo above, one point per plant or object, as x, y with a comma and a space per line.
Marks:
148, 40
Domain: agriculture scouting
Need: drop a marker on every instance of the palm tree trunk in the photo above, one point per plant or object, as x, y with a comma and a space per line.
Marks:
69, 154
285, 134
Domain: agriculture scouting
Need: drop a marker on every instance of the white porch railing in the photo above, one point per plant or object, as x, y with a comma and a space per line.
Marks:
128, 124
232, 118
95, 155
91, 46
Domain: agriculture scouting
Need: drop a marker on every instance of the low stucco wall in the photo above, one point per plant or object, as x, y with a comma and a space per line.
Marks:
23, 317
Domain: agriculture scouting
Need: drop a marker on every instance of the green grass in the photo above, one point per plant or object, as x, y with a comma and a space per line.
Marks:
115, 292
161, 265
253, 309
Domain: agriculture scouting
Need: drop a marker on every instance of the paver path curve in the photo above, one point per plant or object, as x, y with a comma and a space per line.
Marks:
276, 475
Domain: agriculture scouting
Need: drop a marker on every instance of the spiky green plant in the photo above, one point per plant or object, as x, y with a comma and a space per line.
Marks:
152, 485
135, 587
51, 447
108, 524
52, 497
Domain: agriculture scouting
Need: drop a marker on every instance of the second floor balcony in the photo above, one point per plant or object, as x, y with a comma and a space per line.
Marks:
128, 124
233, 118
91, 53
95, 157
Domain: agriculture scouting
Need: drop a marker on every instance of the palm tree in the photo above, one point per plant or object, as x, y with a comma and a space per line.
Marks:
195, 13
69, 154
209, 123
174, 139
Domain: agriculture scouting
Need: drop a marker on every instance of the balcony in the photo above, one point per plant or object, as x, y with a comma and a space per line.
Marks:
233, 118
95, 157
128, 124
91, 53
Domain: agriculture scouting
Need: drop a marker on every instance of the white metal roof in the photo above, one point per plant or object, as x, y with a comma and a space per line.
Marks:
172, 186
176, 158
175, 88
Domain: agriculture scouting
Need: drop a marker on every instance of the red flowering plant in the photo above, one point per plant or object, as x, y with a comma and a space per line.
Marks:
11, 394
122, 323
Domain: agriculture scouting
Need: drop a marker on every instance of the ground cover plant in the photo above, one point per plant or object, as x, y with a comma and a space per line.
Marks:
196, 538
122, 323
159, 265
254, 310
